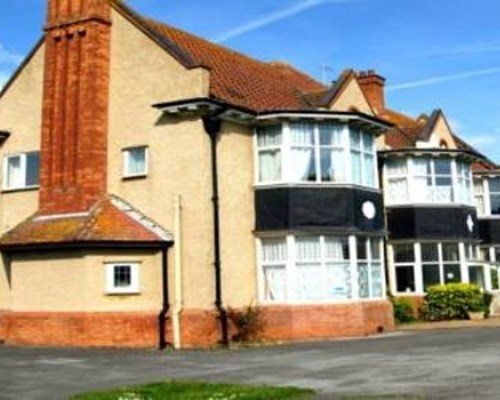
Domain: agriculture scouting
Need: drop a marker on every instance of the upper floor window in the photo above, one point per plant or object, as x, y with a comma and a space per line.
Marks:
316, 153
428, 180
487, 196
21, 170
135, 162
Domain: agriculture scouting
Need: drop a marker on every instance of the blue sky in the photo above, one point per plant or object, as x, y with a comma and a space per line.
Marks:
434, 53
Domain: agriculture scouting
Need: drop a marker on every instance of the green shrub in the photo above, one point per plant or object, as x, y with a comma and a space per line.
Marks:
403, 310
487, 300
247, 322
452, 301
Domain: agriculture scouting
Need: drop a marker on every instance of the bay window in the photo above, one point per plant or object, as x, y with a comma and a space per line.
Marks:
314, 268
307, 152
487, 195
428, 180
494, 186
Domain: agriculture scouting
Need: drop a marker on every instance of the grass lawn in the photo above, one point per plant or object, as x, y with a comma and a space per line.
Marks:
174, 390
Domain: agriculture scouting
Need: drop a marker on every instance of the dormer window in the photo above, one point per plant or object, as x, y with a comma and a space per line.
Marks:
313, 153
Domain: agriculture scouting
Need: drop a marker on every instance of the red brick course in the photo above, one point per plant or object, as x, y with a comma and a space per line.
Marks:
416, 303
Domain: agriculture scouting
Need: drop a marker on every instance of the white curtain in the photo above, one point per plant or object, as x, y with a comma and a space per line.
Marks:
307, 248
14, 172
274, 283
274, 250
302, 164
334, 248
269, 165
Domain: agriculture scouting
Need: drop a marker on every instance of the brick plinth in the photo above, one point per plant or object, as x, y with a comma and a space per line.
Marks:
416, 303
3, 325
82, 329
327, 321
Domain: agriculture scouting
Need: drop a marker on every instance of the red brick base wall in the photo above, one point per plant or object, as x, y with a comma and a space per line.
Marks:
199, 328
416, 303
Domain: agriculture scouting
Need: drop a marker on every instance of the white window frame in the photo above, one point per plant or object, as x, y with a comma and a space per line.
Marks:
126, 162
291, 270
345, 150
111, 287
405, 264
23, 157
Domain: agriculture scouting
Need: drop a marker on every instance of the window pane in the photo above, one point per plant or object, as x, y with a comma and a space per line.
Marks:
452, 273
405, 279
336, 248
369, 172
495, 204
32, 169
14, 172
375, 249
431, 275
397, 167
269, 136
356, 167
330, 135
332, 165
361, 248
308, 248
269, 165
302, 134
376, 279
274, 250
274, 283
122, 276
450, 252
476, 275
494, 278
309, 282
355, 138
136, 161
303, 164
495, 185
364, 291
404, 253
338, 281
368, 142
430, 252
442, 167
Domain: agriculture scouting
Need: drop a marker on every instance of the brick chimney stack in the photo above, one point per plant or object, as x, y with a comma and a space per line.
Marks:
75, 105
373, 87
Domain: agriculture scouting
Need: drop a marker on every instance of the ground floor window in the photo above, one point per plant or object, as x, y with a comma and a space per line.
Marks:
320, 268
416, 266
122, 278
490, 255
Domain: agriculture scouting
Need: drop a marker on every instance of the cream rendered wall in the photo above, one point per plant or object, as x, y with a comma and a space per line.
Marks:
179, 153
352, 96
20, 113
440, 133
237, 211
74, 281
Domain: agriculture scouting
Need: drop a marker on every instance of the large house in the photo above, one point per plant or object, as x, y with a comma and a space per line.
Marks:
153, 180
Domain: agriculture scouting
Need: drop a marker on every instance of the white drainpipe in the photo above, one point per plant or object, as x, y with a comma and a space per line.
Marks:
176, 317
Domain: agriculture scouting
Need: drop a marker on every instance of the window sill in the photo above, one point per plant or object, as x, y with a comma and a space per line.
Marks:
134, 177
124, 293
23, 189
315, 185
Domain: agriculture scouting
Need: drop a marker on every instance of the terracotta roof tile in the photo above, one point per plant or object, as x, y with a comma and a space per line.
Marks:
105, 222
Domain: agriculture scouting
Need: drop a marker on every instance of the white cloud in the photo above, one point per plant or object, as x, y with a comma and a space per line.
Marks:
445, 78
467, 48
276, 16
9, 58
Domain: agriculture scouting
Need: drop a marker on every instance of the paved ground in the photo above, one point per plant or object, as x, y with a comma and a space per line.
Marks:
454, 364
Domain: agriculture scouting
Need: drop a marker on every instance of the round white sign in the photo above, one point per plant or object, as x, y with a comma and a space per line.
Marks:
369, 210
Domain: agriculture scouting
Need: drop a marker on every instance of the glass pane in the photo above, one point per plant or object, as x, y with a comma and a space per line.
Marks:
495, 285
364, 291
136, 161
122, 276
397, 167
495, 185
14, 172
478, 186
269, 136
356, 167
308, 248
375, 249
450, 252
476, 275
495, 204
431, 275
32, 169
303, 164
442, 167
368, 142
274, 283
369, 172
376, 281
405, 279
338, 281
404, 253
302, 134
421, 166
309, 282
398, 190
269, 165
273, 250
430, 252
361, 248
336, 248
452, 273
330, 135
332, 165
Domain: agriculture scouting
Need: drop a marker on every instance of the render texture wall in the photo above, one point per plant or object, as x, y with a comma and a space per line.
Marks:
352, 96
20, 114
441, 133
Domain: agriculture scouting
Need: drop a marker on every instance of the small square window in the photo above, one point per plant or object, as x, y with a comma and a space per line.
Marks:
21, 171
122, 278
135, 162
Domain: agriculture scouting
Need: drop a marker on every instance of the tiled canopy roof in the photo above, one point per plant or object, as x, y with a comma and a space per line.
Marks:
234, 78
111, 220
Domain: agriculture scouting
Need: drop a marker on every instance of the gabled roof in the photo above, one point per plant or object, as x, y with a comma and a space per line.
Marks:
111, 221
234, 78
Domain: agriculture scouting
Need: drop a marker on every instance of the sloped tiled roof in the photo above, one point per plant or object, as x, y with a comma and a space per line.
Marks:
111, 220
234, 78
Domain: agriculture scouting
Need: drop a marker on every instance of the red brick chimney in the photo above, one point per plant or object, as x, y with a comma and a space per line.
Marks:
373, 87
75, 105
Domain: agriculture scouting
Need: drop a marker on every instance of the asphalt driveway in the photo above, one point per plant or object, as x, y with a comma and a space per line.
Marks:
454, 364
